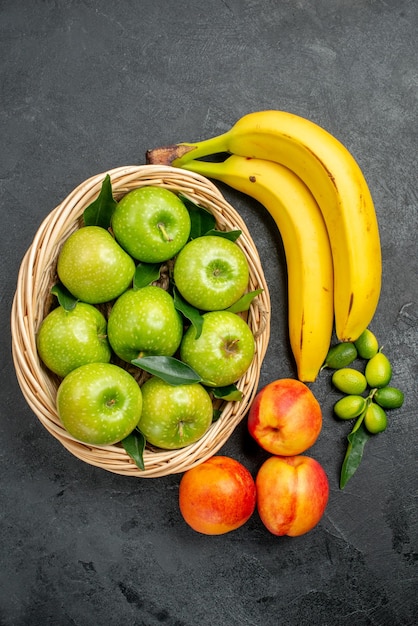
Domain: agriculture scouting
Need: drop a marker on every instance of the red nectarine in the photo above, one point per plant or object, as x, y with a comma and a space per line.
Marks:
292, 494
217, 496
285, 417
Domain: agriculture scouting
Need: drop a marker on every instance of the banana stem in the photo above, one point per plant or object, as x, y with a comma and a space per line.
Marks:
205, 168
214, 145
181, 153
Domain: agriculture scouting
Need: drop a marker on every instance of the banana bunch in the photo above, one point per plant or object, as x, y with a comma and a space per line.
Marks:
321, 203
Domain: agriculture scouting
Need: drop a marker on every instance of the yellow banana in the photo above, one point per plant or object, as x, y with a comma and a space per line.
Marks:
307, 249
339, 187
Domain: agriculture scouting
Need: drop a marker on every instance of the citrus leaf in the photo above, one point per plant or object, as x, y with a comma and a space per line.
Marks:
232, 235
170, 369
202, 220
189, 312
134, 445
244, 303
230, 393
357, 439
65, 298
100, 211
145, 274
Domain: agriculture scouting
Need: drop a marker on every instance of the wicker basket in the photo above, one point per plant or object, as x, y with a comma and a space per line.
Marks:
33, 301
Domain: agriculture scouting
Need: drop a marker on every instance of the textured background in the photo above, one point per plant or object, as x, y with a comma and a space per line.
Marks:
87, 86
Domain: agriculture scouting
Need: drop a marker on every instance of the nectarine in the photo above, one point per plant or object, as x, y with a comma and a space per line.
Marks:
217, 496
292, 494
285, 417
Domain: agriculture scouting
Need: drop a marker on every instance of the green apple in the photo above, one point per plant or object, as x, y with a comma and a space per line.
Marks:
211, 272
151, 223
224, 350
144, 322
93, 266
99, 403
174, 416
68, 339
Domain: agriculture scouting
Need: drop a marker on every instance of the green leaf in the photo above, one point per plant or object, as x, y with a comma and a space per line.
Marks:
65, 298
189, 312
100, 211
170, 369
216, 415
357, 439
232, 235
244, 303
134, 445
145, 274
202, 220
230, 393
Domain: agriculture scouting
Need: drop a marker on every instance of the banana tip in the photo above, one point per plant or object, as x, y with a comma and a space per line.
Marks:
165, 155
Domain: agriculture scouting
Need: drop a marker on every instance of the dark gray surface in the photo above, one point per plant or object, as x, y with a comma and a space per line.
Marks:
87, 86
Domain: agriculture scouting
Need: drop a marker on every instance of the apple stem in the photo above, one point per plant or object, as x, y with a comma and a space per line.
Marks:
165, 234
231, 345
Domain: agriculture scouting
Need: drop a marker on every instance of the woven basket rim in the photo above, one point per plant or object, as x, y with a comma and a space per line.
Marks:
32, 300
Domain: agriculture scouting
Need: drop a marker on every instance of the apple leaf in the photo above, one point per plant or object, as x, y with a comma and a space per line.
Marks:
169, 369
65, 297
216, 415
202, 220
100, 211
232, 235
145, 274
134, 445
189, 312
230, 393
243, 304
